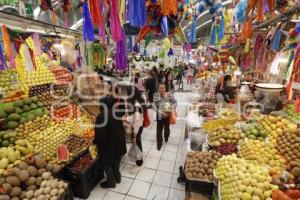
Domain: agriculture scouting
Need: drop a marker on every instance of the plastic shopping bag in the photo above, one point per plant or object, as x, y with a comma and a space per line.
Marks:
146, 122
135, 153
172, 117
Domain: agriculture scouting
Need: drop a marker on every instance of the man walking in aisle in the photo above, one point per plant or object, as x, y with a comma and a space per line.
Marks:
164, 104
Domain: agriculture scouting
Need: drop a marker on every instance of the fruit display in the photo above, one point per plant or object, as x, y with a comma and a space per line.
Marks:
85, 161
9, 83
68, 112
262, 153
241, 179
20, 111
9, 157
200, 165
288, 145
75, 144
226, 149
293, 116
7, 138
225, 135
39, 89
255, 131
32, 179
39, 124
275, 126
62, 75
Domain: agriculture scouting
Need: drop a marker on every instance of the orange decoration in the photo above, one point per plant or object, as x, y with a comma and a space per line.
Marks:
260, 12
6, 41
169, 7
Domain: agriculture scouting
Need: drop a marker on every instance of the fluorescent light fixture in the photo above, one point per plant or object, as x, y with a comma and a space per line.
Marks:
36, 12
77, 24
204, 24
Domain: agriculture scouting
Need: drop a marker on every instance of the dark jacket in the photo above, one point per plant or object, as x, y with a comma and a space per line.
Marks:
109, 137
151, 85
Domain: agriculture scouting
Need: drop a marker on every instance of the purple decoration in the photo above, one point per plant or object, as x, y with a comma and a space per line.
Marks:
164, 26
266, 7
153, 1
170, 53
2, 60
121, 62
87, 28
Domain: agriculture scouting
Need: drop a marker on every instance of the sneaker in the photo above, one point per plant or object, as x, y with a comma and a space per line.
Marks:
139, 162
118, 179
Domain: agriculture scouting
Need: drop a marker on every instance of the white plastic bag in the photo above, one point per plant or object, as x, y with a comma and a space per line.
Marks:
193, 120
135, 153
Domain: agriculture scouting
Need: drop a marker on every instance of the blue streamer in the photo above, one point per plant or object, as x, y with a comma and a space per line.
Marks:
213, 35
221, 29
239, 11
276, 40
193, 33
170, 53
137, 13
87, 28
164, 26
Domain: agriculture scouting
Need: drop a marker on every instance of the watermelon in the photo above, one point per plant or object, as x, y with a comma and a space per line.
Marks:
62, 153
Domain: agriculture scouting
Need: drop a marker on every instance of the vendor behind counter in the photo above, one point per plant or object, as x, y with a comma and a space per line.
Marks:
224, 91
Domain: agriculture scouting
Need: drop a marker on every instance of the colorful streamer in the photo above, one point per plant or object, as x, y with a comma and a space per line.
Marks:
137, 14
169, 7
95, 12
87, 28
2, 61
37, 44
121, 61
115, 24
164, 26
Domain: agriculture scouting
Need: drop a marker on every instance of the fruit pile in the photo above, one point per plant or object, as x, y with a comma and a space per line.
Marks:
68, 112
85, 161
288, 145
241, 179
262, 153
275, 126
227, 149
75, 144
62, 75
25, 181
9, 82
39, 89
225, 135
256, 132
293, 116
21, 111
37, 125
7, 138
200, 165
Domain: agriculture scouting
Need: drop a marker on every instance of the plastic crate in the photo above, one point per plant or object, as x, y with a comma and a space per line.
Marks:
201, 187
83, 182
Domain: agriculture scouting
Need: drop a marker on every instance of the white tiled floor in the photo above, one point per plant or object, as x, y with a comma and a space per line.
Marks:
157, 178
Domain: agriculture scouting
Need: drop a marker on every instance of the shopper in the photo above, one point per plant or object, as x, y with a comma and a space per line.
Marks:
169, 80
162, 75
136, 109
164, 104
151, 86
110, 140
139, 83
190, 75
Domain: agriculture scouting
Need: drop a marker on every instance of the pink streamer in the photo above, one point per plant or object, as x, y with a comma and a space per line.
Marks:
37, 44
115, 24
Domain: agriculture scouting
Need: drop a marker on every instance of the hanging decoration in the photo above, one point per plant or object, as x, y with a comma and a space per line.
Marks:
121, 63
159, 24
169, 7
170, 53
8, 46
37, 45
192, 35
115, 24
215, 9
2, 60
95, 12
87, 27
137, 14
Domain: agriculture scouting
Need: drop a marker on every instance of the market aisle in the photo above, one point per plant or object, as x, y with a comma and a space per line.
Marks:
157, 178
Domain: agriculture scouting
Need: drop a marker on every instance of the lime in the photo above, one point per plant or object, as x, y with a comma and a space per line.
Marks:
5, 143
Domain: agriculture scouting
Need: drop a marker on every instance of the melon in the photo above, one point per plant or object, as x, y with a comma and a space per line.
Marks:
62, 153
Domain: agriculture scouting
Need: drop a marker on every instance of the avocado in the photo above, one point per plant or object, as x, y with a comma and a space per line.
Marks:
23, 120
19, 110
26, 108
39, 104
8, 109
18, 103
14, 117
12, 124
2, 114
27, 101
33, 106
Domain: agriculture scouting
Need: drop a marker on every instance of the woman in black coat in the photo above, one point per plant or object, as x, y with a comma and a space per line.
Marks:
110, 140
